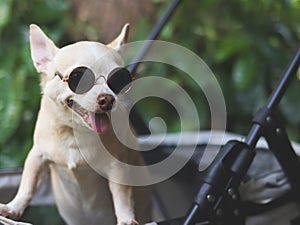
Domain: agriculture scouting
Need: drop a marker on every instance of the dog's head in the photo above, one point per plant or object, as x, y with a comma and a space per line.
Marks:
87, 78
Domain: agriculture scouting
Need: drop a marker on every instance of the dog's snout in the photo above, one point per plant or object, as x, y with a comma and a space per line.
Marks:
105, 101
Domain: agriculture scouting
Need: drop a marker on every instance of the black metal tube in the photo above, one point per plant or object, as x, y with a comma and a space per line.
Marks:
288, 76
134, 116
153, 35
253, 136
275, 97
190, 219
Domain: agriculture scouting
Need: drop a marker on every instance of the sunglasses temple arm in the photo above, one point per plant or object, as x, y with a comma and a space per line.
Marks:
59, 75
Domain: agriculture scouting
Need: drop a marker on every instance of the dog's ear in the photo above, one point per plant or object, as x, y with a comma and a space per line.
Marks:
42, 49
121, 39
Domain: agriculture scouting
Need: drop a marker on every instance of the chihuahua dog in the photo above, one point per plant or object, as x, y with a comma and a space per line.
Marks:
82, 84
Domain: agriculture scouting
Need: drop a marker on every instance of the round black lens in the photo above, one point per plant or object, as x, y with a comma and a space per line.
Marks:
119, 80
81, 80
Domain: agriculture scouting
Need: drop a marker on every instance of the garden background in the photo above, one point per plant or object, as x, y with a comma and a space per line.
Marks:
247, 44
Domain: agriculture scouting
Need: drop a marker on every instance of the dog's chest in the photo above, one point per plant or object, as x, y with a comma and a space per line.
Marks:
64, 149
82, 195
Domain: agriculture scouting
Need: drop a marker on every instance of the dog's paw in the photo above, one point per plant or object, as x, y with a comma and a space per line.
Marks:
6, 221
7, 211
128, 222
4, 210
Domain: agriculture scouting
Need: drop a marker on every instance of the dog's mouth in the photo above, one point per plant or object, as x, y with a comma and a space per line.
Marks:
99, 122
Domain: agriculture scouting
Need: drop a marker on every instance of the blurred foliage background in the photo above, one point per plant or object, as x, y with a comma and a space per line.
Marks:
247, 44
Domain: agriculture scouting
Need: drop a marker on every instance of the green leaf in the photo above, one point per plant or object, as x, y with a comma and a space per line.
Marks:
244, 72
232, 45
5, 12
10, 102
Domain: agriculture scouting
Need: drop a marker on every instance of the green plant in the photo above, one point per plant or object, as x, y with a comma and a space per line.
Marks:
247, 44
19, 82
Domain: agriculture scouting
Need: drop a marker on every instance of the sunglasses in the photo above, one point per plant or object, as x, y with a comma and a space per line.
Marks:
82, 79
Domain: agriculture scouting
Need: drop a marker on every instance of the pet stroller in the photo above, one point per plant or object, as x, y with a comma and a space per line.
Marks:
243, 184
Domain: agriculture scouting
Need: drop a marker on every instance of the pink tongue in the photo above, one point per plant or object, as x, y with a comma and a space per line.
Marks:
100, 122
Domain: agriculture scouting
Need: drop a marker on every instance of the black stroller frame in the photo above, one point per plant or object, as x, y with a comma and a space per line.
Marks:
217, 201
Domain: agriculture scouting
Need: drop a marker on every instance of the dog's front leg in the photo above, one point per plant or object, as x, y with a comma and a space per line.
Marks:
123, 203
34, 169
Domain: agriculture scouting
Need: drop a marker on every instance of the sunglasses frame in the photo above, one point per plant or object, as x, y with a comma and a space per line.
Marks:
110, 75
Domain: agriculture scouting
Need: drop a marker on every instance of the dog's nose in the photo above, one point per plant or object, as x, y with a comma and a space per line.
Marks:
105, 101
